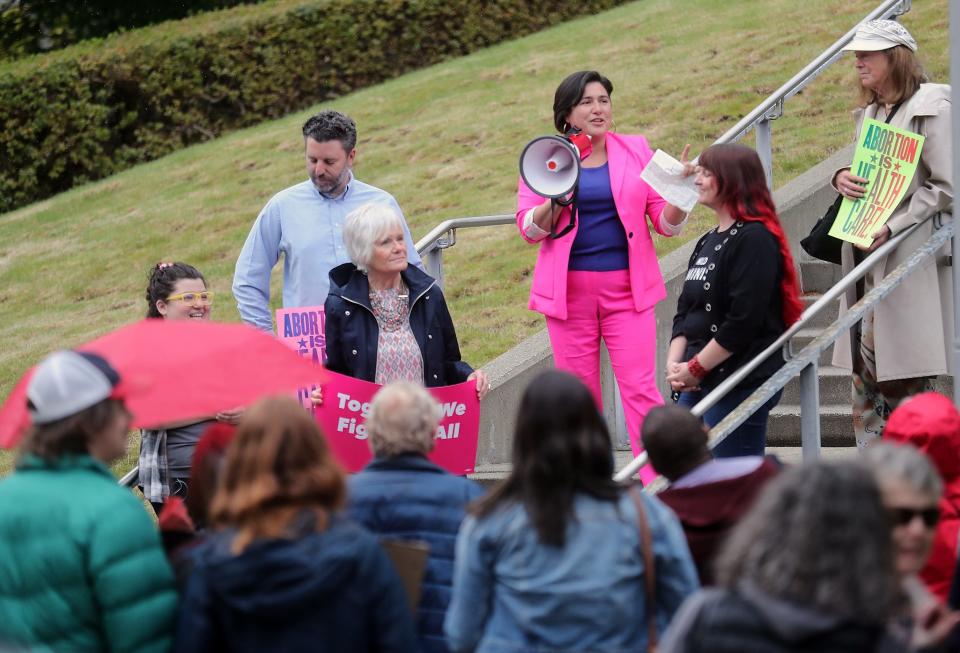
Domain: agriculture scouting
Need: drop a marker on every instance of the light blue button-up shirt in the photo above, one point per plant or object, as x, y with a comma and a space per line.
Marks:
308, 229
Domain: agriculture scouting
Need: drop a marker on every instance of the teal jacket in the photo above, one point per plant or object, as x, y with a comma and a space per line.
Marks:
81, 566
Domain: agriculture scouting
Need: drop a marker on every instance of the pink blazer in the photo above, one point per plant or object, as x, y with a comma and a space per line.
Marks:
627, 156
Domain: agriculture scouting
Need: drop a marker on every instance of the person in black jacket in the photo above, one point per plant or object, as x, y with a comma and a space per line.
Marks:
739, 295
284, 571
387, 321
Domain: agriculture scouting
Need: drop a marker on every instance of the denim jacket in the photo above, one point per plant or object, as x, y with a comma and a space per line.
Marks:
512, 593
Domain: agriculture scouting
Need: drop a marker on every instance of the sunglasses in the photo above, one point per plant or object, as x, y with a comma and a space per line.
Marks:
904, 516
205, 297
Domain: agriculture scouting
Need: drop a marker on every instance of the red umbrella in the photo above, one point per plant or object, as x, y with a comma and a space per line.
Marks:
174, 370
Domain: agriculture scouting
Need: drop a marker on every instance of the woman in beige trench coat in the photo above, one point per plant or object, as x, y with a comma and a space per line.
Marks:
904, 342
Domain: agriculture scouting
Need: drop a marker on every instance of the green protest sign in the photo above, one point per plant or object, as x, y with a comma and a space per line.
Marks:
887, 158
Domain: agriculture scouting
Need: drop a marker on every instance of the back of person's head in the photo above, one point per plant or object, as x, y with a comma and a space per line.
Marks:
930, 422
561, 447
161, 280
403, 419
675, 440
206, 468
72, 398
331, 125
818, 537
278, 466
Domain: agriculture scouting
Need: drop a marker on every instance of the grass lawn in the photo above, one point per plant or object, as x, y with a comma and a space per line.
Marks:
445, 141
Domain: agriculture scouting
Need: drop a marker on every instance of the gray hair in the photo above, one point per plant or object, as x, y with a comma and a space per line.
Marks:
403, 419
797, 543
363, 227
905, 462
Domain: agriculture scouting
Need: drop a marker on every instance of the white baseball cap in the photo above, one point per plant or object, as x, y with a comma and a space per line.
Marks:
67, 382
880, 35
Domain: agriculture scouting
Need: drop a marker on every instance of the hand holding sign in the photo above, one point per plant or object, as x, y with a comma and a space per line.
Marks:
885, 160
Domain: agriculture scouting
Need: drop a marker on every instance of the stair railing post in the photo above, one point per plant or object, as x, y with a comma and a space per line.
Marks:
810, 412
433, 264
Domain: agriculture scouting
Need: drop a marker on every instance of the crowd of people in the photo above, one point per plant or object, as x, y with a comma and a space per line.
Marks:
263, 542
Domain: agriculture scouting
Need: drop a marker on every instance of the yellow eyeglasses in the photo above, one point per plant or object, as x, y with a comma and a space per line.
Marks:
205, 297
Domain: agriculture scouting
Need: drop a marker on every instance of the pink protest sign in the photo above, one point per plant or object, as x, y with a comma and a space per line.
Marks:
302, 330
346, 403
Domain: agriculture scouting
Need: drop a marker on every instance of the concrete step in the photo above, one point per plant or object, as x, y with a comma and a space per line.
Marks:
834, 387
803, 338
794, 455
826, 316
817, 276
836, 426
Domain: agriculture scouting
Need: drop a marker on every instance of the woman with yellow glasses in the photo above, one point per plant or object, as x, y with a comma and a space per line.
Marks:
175, 291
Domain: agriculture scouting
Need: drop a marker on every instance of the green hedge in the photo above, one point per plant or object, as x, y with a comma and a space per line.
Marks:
91, 110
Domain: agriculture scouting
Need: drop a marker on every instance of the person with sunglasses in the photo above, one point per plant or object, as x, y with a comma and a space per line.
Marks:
912, 492
930, 422
175, 291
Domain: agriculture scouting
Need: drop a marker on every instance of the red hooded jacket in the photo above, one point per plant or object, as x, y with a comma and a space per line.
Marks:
931, 423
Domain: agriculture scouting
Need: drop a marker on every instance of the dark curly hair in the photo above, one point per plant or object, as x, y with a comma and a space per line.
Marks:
331, 125
161, 280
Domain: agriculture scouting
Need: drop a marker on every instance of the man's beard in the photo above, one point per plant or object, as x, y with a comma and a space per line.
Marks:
328, 188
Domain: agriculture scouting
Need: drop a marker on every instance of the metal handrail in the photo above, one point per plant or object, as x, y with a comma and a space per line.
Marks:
772, 107
808, 355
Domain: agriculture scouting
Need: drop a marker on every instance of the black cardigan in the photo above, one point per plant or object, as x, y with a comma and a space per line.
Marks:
738, 301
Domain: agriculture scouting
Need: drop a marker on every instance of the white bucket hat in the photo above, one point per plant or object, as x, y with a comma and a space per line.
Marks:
880, 35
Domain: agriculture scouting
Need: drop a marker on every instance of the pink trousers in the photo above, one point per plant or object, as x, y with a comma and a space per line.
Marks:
600, 305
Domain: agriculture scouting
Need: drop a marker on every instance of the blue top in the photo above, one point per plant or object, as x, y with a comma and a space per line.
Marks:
407, 497
308, 229
601, 243
512, 593
334, 590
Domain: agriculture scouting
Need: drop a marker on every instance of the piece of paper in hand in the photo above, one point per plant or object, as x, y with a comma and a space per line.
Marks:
665, 175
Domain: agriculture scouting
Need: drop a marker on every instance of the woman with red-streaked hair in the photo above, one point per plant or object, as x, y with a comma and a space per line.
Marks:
285, 572
740, 294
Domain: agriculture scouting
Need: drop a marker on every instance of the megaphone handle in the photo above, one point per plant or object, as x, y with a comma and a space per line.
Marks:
572, 203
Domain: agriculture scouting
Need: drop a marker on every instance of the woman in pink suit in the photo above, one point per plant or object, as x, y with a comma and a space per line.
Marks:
601, 279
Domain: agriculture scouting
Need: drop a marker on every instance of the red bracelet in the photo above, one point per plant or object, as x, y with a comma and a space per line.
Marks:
696, 369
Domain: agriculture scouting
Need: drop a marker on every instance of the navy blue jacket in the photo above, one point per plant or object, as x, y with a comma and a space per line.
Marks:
408, 497
352, 330
330, 591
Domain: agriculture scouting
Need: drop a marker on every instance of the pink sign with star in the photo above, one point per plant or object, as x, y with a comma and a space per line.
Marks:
302, 330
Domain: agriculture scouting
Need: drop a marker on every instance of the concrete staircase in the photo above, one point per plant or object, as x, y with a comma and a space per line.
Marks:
836, 424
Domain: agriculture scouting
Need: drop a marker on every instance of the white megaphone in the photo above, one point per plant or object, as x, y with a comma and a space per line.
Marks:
550, 166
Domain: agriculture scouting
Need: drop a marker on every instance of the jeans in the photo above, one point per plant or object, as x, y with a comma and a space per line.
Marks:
750, 438
178, 488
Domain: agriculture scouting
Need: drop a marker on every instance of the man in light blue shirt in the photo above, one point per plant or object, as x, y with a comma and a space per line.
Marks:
305, 223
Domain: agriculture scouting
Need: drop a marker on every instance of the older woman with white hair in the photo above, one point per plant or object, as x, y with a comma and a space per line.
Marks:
911, 489
401, 494
387, 321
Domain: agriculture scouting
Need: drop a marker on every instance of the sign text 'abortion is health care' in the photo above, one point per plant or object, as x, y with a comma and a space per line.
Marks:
302, 330
887, 158
346, 404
